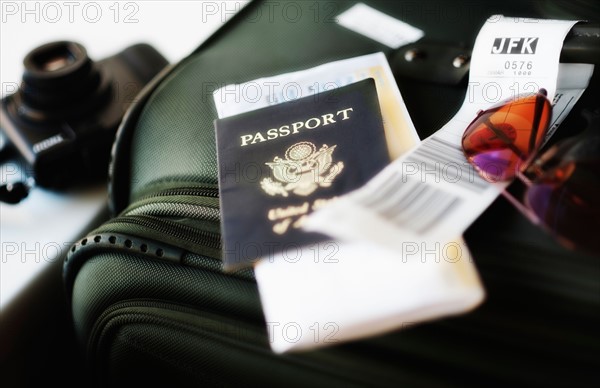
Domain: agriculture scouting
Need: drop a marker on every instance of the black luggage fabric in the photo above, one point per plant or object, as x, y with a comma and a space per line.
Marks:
151, 303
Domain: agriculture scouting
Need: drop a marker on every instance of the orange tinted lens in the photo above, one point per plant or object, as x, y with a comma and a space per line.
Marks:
500, 140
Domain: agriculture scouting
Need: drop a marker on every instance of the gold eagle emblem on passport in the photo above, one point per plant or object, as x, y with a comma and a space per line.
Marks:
303, 170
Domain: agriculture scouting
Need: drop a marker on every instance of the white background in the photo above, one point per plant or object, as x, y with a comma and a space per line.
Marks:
175, 28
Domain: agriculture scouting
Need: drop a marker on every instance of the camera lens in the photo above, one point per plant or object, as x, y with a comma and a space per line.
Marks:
58, 64
53, 59
59, 77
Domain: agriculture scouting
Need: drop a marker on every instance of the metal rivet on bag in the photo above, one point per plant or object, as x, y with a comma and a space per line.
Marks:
460, 61
412, 54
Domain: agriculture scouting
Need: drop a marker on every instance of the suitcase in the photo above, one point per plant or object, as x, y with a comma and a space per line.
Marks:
151, 304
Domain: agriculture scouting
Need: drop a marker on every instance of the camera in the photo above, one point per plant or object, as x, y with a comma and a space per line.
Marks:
63, 118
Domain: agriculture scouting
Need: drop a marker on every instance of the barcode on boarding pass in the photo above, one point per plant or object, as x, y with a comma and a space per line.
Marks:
409, 203
442, 161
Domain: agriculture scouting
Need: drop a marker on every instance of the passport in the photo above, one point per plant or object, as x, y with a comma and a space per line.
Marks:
278, 164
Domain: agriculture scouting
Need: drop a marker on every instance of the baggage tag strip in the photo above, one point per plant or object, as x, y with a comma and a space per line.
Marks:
433, 194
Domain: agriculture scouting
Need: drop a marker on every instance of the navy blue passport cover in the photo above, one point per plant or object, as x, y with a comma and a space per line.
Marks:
279, 163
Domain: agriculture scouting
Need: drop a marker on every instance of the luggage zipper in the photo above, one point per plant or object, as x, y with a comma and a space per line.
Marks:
170, 228
177, 205
188, 214
199, 203
212, 192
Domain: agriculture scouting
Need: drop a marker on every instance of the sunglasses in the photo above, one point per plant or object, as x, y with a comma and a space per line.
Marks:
562, 185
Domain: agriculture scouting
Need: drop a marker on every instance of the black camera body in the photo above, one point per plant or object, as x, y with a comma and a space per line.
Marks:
64, 116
